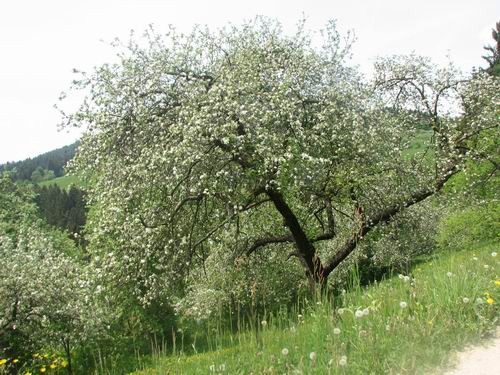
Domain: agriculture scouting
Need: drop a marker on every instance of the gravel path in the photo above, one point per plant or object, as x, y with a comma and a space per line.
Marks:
479, 360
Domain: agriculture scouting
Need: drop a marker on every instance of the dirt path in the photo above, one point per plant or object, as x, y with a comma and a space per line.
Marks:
479, 360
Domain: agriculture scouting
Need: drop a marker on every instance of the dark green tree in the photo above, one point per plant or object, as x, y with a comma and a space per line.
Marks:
64, 209
493, 58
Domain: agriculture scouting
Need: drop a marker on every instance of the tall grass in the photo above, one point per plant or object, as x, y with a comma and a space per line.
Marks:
404, 324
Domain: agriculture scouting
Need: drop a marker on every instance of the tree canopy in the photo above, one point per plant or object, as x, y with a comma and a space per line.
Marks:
254, 138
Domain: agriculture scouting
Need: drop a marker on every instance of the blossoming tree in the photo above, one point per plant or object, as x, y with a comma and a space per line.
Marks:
254, 138
47, 296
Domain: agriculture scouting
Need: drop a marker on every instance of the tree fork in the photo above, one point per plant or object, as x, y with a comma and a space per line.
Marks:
305, 247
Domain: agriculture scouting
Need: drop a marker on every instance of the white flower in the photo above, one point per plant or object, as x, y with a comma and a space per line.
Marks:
312, 356
494, 254
366, 311
403, 304
449, 274
479, 301
343, 361
465, 300
404, 277
284, 351
264, 323
341, 311
336, 331
358, 314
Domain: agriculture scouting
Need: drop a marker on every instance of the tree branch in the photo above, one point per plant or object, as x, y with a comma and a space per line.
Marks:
383, 217
261, 242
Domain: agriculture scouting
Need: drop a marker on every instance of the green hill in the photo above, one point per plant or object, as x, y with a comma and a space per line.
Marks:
54, 161
63, 182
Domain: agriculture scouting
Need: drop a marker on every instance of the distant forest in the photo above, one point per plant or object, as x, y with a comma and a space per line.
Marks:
63, 208
43, 167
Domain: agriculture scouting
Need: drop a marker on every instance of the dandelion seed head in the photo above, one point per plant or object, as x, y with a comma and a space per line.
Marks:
343, 361
403, 304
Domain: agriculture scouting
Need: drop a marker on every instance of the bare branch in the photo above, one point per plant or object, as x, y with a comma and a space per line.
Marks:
261, 242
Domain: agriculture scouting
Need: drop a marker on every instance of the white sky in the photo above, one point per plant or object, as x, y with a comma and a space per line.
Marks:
42, 41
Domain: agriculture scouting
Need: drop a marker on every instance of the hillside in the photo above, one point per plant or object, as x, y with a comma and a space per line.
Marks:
54, 161
405, 324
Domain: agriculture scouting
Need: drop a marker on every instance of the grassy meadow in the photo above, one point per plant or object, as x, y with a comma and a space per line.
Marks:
405, 324
63, 182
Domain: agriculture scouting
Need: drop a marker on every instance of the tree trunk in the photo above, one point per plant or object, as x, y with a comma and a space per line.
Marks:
67, 350
305, 248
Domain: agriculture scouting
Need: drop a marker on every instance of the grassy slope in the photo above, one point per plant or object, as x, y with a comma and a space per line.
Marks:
63, 182
389, 340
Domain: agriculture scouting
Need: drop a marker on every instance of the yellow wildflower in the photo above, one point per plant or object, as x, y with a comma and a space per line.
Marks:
43, 369
64, 363
490, 301
3, 362
15, 360
27, 373
497, 282
53, 365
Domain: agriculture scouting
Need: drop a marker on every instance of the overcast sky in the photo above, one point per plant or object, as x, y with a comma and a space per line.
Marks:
42, 41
